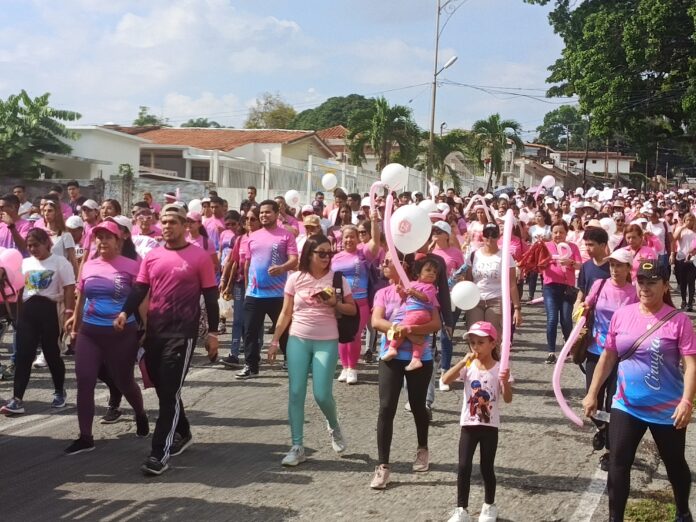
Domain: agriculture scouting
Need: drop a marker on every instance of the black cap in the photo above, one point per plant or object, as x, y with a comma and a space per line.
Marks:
650, 270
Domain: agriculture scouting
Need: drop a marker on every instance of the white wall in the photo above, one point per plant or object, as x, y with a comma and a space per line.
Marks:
96, 144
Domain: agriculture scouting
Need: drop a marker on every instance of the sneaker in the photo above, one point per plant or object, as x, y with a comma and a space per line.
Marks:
407, 406
142, 426
59, 400
489, 513
429, 411
369, 357
460, 514
599, 440
231, 361
381, 478
551, 359
684, 517
422, 462
352, 376
8, 372
153, 466
40, 361
222, 327
295, 456
343, 376
246, 373
13, 407
112, 416
604, 462
338, 442
81, 445
180, 444
442, 386
285, 366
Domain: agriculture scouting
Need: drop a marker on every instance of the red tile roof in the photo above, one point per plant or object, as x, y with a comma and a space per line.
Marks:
333, 133
216, 139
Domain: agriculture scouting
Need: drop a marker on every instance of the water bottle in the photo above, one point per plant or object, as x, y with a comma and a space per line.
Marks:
601, 416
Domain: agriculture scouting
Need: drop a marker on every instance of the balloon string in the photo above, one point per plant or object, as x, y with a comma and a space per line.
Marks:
405, 282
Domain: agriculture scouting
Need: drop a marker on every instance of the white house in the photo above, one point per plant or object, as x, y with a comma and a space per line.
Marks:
97, 152
597, 162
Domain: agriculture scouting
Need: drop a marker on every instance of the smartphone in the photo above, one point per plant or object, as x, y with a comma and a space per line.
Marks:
325, 294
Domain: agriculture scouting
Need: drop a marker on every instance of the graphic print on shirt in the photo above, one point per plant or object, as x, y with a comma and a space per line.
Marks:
479, 403
35, 280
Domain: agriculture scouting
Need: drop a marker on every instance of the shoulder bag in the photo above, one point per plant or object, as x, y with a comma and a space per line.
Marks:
579, 349
647, 334
348, 325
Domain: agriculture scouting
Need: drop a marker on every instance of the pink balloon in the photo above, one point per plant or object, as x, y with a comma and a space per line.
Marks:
505, 280
373, 193
11, 261
558, 369
564, 251
405, 282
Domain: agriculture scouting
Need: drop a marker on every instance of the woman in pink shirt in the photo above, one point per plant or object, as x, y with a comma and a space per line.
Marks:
633, 234
310, 306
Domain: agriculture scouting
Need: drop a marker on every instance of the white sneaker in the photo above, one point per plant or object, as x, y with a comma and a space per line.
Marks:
489, 513
407, 406
344, 374
295, 456
338, 442
40, 361
442, 386
459, 515
352, 376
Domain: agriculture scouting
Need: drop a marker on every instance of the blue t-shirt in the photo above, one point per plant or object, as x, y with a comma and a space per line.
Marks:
611, 299
589, 273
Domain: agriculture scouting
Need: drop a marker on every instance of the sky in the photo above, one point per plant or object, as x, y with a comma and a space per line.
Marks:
212, 58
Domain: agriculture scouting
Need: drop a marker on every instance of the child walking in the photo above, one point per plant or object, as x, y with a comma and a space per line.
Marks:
484, 385
421, 300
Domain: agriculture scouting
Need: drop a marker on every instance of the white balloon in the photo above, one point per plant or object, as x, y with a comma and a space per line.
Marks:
465, 295
624, 190
564, 251
292, 198
195, 205
329, 181
428, 205
609, 225
410, 228
558, 193
579, 191
548, 181
394, 176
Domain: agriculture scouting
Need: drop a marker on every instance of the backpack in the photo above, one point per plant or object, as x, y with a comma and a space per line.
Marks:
348, 325
375, 281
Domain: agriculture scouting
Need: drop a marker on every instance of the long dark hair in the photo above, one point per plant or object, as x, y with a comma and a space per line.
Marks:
310, 245
40, 235
115, 204
339, 221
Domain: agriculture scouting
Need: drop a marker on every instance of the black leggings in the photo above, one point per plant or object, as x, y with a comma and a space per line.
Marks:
470, 437
38, 324
391, 379
625, 433
685, 272
606, 392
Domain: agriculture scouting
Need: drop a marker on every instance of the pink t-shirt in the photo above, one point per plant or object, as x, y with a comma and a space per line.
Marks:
644, 252
106, 286
311, 317
557, 273
452, 256
203, 242
266, 248
21, 225
176, 279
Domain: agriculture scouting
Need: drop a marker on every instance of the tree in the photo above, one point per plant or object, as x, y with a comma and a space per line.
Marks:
492, 136
334, 111
203, 123
381, 127
558, 124
29, 128
146, 119
270, 112
457, 140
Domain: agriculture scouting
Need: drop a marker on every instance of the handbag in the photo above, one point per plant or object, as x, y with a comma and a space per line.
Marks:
348, 325
633, 349
582, 343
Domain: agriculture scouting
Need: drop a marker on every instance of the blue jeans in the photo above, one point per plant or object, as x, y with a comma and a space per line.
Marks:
237, 317
532, 278
446, 347
557, 304
663, 261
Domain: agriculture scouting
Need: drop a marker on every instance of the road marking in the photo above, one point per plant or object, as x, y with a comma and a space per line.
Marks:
590, 498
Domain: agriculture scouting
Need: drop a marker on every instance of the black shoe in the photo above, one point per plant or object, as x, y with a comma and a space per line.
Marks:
112, 416
80, 445
429, 411
604, 462
551, 359
231, 361
285, 366
180, 444
246, 373
153, 466
684, 517
690, 308
683, 305
369, 357
599, 440
142, 426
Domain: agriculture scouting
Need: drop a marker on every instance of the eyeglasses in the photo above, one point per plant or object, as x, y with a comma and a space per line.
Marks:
362, 231
323, 254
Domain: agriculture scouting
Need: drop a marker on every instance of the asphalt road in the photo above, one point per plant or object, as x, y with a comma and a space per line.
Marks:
545, 466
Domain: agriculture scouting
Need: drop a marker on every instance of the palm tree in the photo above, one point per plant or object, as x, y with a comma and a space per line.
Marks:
457, 140
381, 127
492, 135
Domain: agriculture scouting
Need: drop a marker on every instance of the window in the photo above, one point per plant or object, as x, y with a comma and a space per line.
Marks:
594, 161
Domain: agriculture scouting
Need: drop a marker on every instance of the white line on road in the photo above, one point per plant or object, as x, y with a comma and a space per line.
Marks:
590, 498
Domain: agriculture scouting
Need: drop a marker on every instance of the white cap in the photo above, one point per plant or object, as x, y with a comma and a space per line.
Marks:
307, 208
622, 255
504, 196
74, 222
488, 196
90, 204
123, 221
444, 226
442, 207
549, 201
365, 202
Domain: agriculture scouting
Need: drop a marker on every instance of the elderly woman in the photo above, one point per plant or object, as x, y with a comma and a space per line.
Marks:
648, 340
633, 234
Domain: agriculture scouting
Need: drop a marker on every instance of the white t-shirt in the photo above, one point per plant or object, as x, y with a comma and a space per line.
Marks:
482, 396
47, 277
24, 209
143, 244
658, 230
535, 232
685, 244
62, 243
485, 271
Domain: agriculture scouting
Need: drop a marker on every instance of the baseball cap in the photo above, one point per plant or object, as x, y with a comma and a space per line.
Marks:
504, 196
482, 329
170, 196
123, 221
171, 208
110, 227
194, 216
307, 208
90, 204
648, 269
622, 255
444, 226
74, 222
365, 202
312, 221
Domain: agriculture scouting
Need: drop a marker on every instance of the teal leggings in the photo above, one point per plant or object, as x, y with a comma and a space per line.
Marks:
321, 357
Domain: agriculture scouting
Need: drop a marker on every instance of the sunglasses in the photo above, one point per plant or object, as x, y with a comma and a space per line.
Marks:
323, 254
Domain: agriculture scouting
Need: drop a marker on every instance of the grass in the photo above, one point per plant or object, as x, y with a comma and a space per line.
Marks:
655, 506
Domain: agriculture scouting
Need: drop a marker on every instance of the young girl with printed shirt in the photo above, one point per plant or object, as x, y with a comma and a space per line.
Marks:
484, 385
421, 300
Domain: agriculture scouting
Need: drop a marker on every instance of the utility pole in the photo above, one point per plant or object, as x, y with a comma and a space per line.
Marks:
606, 159
587, 151
431, 142
657, 156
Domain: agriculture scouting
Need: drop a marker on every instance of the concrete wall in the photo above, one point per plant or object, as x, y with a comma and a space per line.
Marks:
105, 146
37, 188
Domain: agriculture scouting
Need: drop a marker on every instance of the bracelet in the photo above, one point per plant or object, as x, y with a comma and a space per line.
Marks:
688, 403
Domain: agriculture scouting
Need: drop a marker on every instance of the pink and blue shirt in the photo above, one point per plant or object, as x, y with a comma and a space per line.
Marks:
264, 249
106, 285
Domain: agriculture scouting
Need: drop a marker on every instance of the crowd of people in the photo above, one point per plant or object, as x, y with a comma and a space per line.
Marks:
116, 288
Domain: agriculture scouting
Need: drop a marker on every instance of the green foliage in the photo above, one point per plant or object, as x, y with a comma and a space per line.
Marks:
491, 136
457, 140
146, 119
202, 123
29, 127
334, 111
381, 127
558, 124
270, 112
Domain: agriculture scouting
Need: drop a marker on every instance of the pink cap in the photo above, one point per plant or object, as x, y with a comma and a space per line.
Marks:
307, 208
110, 227
194, 216
482, 329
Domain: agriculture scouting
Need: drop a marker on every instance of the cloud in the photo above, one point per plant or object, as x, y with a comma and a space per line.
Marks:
226, 110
